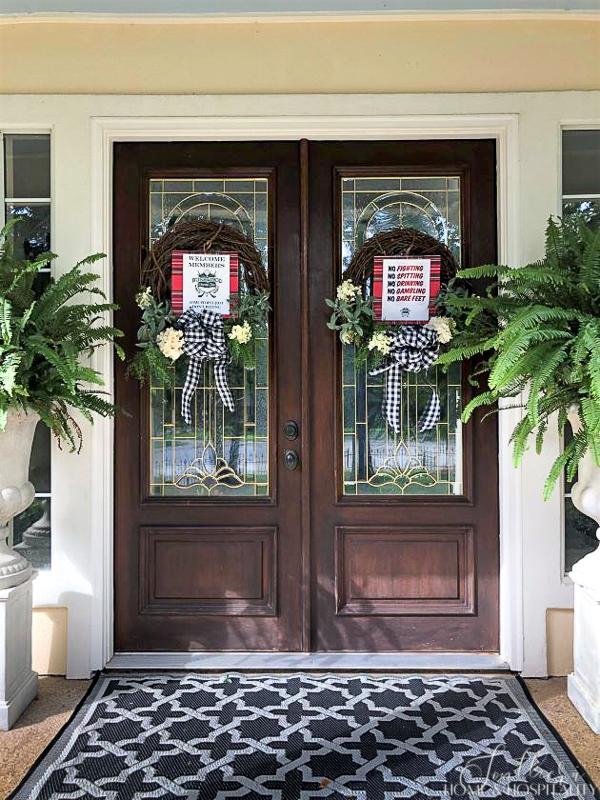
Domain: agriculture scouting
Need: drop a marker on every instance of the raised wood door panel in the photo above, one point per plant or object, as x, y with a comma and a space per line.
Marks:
397, 566
195, 568
404, 570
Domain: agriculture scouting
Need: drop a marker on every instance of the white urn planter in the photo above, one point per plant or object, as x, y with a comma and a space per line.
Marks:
18, 682
584, 681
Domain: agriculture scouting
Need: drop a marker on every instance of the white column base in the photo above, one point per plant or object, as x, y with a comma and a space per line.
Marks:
584, 681
583, 702
18, 682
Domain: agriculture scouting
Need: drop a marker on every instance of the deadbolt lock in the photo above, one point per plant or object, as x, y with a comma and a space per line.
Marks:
291, 430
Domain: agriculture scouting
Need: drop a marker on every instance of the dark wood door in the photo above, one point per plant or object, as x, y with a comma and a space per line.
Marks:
404, 527
379, 541
207, 527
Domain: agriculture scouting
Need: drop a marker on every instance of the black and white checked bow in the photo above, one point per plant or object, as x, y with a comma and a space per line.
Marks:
204, 340
413, 348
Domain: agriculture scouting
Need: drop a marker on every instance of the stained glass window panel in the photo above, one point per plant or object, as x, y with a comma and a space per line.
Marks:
220, 453
376, 459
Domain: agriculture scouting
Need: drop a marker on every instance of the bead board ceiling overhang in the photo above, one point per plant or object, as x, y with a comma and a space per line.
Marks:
287, 8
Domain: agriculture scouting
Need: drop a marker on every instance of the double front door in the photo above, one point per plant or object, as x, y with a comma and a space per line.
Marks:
300, 521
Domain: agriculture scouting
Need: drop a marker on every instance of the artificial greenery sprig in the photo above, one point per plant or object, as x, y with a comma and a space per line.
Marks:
248, 322
150, 361
535, 332
353, 317
43, 337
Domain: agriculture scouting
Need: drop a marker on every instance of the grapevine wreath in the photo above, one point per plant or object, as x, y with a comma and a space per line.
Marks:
200, 335
393, 348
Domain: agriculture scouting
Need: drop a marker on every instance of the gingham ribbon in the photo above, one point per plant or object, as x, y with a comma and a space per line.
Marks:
413, 348
204, 340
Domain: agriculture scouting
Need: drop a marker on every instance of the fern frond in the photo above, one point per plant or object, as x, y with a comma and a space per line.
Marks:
546, 317
483, 399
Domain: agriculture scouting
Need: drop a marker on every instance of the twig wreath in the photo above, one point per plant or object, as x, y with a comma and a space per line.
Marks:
199, 333
394, 347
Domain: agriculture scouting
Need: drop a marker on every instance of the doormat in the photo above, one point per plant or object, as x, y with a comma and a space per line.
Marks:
301, 736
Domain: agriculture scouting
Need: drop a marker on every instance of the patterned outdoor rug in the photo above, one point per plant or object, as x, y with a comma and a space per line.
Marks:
202, 737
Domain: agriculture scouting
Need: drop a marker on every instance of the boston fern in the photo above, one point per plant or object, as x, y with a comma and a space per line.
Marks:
44, 336
536, 330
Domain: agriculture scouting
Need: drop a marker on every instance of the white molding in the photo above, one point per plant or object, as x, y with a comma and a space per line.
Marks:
502, 127
107, 130
102, 433
306, 661
588, 123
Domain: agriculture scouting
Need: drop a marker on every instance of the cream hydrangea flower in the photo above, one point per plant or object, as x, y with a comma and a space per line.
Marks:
349, 337
443, 326
144, 298
241, 333
348, 291
170, 343
380, 341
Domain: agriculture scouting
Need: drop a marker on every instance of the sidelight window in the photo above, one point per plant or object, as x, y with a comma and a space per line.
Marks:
580, 196
26, 195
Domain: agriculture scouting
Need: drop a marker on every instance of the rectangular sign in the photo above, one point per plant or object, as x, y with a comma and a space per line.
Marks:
204, 281
405, 288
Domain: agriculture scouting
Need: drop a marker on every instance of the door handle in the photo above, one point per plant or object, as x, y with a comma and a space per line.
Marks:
291, 459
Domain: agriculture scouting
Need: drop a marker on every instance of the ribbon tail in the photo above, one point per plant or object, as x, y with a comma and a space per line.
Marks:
432, 413
191, 381
392, 398
382, 368
220, 371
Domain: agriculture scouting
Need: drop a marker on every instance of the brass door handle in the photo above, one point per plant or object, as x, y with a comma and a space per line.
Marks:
291, 459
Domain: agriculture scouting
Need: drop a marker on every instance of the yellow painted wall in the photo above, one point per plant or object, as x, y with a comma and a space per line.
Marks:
429, 55
559, 633
49, 640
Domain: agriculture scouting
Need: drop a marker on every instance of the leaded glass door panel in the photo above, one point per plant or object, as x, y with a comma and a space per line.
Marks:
208, 542
376, 459
404, 530
218, 453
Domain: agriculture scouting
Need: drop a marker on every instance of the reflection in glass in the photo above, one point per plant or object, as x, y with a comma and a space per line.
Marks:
220, 453
580, 535
376, 460
31, 533
32, 236
580, 162
586, 210
39, 466
26, 165
580, 530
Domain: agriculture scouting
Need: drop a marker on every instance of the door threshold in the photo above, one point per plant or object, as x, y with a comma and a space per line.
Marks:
308, 661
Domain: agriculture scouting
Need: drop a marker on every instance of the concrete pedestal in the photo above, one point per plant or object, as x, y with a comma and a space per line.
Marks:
18, 682
584, 681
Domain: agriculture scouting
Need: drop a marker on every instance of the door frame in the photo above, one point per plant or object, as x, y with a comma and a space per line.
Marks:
108, 130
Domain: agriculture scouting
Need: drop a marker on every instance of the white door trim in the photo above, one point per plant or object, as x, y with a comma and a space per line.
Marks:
107, 130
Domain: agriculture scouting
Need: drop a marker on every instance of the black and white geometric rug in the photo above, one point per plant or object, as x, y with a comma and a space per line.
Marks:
304, 736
